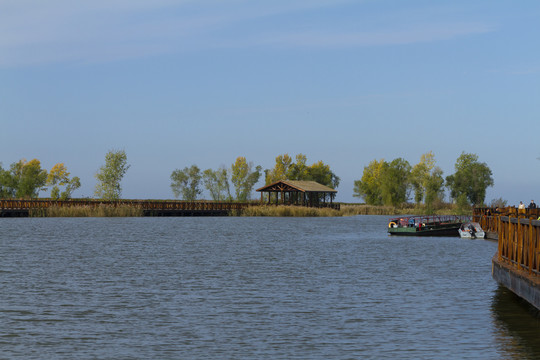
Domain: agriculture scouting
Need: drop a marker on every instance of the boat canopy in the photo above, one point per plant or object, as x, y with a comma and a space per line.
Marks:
428, 219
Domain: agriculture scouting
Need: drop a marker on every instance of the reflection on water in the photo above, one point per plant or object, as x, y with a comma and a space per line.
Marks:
517, 325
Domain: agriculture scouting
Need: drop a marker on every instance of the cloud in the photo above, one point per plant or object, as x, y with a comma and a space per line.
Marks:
411, 35
36, 32
526, 70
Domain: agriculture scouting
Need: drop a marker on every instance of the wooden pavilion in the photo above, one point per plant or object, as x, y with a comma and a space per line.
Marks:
295, 192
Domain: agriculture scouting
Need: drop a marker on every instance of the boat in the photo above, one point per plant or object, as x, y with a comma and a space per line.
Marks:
426, 225
471, 230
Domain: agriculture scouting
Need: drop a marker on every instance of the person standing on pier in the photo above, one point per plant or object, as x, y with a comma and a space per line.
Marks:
521, 206
532, 205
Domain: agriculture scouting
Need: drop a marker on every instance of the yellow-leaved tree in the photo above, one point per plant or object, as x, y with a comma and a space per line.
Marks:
59, 176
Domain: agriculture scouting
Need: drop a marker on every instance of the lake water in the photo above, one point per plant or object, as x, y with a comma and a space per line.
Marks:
251, 288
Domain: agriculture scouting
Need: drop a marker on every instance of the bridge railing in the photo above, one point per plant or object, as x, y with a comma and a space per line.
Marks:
518, 232
12, 204
488, 218
519, 243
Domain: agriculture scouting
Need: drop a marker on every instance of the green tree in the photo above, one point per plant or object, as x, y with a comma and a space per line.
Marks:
470, 180
419, 175
369, 187
321, 173
395, 182
110, 175
286, 169
427, 181
187, 182
223, 180
299, 169
8, 185
25, 179
217, 183
71, 186
244, 178
434, 187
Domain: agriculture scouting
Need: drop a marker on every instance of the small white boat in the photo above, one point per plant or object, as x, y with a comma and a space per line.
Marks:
471, 230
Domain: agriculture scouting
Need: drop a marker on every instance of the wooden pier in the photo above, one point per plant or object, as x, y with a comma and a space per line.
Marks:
22, 208
516, 265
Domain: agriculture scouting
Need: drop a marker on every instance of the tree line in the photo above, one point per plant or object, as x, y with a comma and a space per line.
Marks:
188, 182
382, 182
391, 183
25, 179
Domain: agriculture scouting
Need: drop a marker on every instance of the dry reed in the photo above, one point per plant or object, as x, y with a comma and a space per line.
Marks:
103, 210
346, 210
88, 211
360, 209
287, 211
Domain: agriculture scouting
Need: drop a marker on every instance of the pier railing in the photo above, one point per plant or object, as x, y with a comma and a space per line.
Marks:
519, 243
13, 207
488, 218
147, 205
518, 232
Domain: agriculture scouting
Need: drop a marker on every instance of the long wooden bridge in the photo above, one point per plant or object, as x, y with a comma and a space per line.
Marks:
516, 265
22, 208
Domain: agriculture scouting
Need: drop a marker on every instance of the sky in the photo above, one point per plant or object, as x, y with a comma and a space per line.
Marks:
177, 83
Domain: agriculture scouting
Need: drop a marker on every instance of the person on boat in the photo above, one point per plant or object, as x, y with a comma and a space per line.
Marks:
532, 205
472, 230
411, 222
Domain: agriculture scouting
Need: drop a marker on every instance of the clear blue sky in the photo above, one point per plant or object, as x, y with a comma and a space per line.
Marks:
176, 83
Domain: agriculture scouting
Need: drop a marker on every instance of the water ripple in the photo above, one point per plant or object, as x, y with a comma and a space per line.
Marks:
244, 288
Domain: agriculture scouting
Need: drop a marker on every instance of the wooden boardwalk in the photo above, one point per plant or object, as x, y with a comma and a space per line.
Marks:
22, 208
516, 265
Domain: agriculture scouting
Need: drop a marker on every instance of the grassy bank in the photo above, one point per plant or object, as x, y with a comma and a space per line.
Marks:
88, 211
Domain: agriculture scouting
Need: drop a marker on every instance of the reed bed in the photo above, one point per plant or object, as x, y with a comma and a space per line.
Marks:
88, 211
104, 210
360, 209
287, 211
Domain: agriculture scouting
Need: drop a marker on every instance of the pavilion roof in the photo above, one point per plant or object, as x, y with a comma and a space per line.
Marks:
297, 185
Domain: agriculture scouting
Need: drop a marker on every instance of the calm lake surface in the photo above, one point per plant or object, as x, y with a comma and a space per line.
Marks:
251, 288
